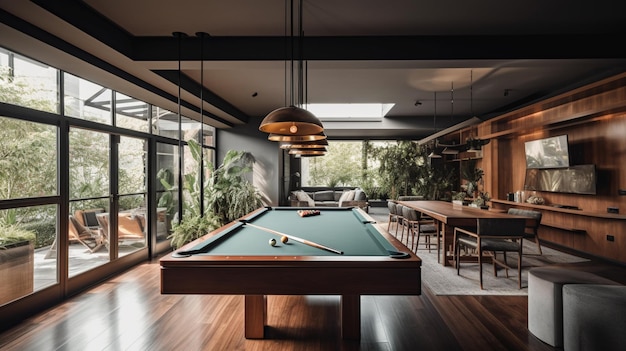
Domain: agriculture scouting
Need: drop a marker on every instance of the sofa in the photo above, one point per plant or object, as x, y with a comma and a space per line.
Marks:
330, 198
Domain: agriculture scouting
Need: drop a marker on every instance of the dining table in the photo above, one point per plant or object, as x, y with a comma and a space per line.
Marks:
448, 215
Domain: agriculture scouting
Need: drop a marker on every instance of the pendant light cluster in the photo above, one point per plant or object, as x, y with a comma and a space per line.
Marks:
295, 128
472, 144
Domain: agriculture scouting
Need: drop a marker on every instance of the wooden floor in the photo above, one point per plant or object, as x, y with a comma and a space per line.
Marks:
129, 313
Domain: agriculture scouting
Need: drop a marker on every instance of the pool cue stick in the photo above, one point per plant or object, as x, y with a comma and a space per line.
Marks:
304, 241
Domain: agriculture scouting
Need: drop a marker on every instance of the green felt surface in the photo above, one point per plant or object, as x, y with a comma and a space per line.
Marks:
342, 229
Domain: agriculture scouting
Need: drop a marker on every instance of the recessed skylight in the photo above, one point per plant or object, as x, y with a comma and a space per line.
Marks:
349, 112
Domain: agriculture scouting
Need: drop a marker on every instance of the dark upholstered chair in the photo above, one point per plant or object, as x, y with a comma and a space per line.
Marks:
492, 235
532, 230
418, 227
393, 215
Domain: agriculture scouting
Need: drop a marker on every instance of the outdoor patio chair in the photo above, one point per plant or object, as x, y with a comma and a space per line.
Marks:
77, 232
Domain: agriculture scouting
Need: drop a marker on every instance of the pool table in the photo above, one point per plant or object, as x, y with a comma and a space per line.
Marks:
238, 259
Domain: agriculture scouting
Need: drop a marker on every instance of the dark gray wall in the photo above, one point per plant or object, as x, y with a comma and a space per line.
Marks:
266, 170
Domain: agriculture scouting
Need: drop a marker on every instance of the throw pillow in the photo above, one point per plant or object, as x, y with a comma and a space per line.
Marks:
359, 195
346, 196
302, 196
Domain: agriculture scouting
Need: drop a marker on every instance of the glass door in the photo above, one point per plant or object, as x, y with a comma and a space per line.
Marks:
89, 164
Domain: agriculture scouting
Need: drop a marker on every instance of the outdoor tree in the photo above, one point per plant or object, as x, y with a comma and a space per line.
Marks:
341, 166
405, 170
27, 151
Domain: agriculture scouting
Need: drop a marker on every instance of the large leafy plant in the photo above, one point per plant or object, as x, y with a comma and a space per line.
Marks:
227, 192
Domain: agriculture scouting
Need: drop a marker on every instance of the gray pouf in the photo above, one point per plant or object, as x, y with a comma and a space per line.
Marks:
545, 300
594, 317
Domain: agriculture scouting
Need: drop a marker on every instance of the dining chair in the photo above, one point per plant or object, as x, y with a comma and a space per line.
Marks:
532, 231
492, 235
400, 222
393, 215
418, 227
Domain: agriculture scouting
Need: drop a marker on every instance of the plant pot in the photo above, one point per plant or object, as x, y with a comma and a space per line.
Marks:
16, 270
457, 203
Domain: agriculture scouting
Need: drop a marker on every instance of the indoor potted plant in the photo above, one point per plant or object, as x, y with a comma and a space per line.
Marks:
481, 200
228, 193
458, 198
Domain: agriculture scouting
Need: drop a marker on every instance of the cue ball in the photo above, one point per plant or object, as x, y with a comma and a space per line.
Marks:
272, 242
284, 239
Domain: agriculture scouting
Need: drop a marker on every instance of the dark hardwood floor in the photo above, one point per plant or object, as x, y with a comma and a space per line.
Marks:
129, 313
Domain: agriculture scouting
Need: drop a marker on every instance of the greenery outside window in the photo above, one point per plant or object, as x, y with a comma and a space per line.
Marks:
28, 161
28, 83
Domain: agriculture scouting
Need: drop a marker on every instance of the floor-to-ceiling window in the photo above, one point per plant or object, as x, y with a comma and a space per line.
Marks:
28, 206
73, 152
29, 183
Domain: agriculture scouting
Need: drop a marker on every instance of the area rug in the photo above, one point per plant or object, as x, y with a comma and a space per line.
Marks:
445, 281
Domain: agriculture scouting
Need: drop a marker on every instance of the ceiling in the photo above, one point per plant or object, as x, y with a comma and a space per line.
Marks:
440, 63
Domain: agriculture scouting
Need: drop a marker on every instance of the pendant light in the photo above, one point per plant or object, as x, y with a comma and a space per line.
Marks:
293, 120
308, 153
179, 36
202, 36
296, 138
304, 145
434, 154
471, 144
451, 150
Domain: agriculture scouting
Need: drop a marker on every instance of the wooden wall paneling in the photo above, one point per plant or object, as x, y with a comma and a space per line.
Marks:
594, 119
595, 242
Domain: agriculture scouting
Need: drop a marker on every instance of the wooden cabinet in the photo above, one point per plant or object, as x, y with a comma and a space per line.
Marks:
598, 234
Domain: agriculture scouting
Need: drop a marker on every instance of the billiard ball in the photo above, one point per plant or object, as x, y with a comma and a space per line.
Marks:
272, 242
284, 239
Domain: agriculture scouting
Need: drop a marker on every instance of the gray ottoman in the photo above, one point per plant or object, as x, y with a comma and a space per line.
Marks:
545, 300
594, 317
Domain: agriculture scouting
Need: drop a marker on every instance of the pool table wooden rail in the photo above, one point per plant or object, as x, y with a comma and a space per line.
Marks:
255, 277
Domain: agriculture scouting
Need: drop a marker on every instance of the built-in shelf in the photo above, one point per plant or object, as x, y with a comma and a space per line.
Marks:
460, 159
567, 229
562, 210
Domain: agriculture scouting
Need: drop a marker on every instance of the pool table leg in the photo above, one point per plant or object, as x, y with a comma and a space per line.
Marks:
255, 307
351, 316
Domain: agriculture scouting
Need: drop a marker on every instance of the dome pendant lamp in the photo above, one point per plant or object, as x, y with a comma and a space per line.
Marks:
292, 120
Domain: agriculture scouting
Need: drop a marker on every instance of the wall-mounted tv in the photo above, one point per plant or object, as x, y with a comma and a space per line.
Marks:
576, 179
547, 153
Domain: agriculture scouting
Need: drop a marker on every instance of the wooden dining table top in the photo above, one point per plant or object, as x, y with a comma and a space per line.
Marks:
446, 212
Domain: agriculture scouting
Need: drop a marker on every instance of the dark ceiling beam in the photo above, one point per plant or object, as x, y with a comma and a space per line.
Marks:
255, 48
193, 87
504, 47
